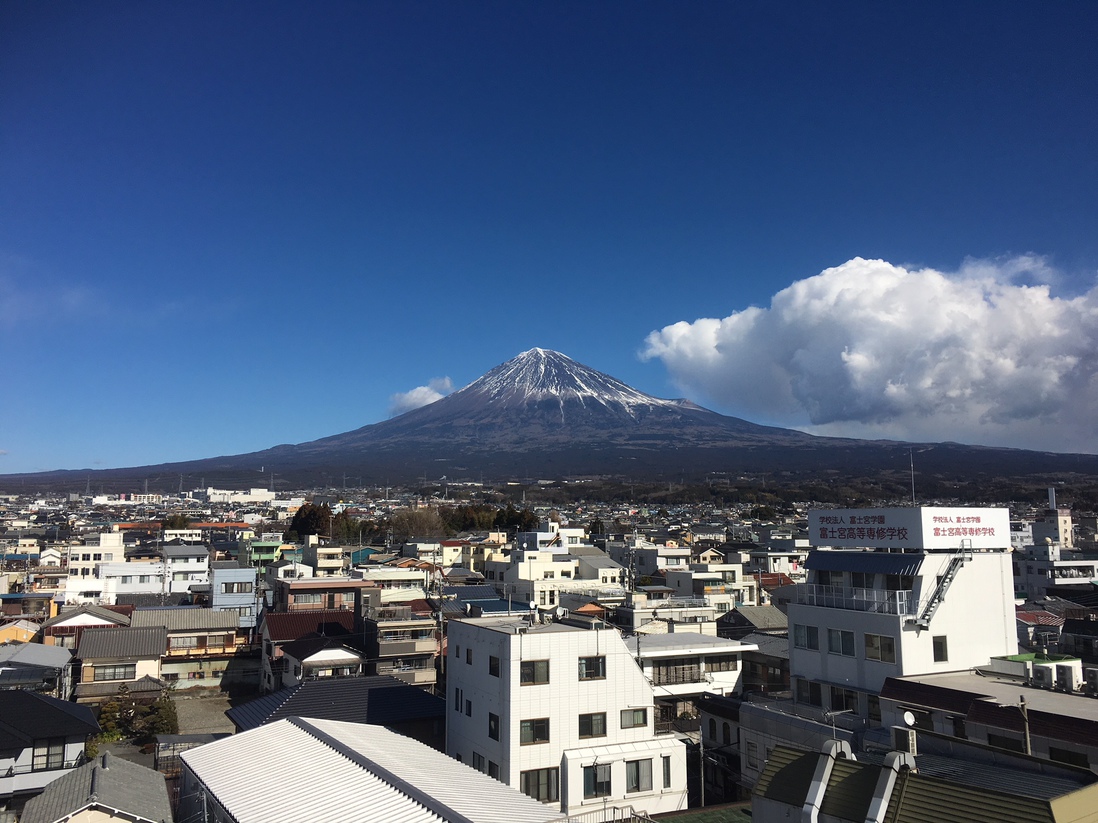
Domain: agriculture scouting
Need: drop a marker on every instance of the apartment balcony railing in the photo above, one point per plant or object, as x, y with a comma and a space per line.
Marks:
409, 645
413, 675
675, 675
878, 601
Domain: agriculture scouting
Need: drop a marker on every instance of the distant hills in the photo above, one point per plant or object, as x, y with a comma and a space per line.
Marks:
543, 415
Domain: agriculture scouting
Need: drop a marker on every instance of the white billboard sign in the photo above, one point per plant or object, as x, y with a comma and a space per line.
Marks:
914, 528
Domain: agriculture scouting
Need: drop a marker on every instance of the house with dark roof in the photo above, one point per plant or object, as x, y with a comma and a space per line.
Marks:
41, 739
279, 628
313, 657
378, 701
105, 789
111, 657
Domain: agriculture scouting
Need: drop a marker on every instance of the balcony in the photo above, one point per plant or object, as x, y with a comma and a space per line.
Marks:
877, 601
397, 646
676, 675
412, 675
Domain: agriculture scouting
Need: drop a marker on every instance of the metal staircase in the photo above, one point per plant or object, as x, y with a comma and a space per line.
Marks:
935, 600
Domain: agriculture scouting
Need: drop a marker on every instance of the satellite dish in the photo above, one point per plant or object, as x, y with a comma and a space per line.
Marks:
533, 605
560, 612
909, 719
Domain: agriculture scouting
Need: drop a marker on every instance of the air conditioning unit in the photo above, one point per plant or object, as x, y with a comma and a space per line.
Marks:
1068, 678
904, 740
1044, 677
1091, 675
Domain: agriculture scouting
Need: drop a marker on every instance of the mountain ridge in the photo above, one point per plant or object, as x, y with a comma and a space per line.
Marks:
543, 414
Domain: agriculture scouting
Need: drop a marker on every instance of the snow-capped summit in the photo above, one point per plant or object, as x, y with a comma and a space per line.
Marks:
540, 374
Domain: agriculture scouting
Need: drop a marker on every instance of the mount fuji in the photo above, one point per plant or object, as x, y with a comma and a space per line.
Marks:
544, 415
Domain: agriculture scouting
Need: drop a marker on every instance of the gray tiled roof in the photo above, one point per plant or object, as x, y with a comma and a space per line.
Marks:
380, 700
101, 643
35, 654
108, 783
186, 618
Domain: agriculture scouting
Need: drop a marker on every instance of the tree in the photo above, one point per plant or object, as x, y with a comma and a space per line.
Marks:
176, 522
310, 519
424, 524
162, 717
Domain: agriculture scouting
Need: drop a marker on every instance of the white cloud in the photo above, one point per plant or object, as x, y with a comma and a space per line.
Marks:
869, 349
420, 396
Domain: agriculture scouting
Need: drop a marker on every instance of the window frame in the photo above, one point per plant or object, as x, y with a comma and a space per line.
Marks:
842, 636
806, 637
879, 647
544, 782
596, 663
597, 781
493, 666
593, 726
493, 726
940, 648
529, 671
633, 714
638, 776
534, 731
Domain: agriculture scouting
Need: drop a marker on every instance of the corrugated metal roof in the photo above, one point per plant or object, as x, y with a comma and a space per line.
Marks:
334, 770
106, 783
917, 798
123, 642
868, 562
35, 654
787, 775
186, 618
96, 611
850, 789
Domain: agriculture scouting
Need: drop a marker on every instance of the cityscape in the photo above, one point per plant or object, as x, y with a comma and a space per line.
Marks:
503, 411
589, 661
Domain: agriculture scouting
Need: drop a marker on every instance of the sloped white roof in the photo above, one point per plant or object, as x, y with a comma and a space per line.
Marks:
327, 770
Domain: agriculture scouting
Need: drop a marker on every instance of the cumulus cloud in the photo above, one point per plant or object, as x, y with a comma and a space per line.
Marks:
420, 396
985, 355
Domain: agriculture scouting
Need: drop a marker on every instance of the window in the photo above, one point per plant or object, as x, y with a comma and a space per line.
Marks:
808, 692
592, 668
493, 769
478, 761
124, 672
638, 775
534, 731
899, 582
941, 649
667, 771
1000, 741
236, 588
592, 725
713, 730
458, 700
596, 780
183, 642
1067, 756
844, 700
726, 734
722, 663
493, 726
806, 637
874, 707
493, 666
752, 755
533, 672
862, 580
468, 708
49, 754
880, 647
840, 642
469, 656
541, 784
632, 718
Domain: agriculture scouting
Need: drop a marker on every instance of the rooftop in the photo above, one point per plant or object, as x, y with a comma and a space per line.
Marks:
104, 783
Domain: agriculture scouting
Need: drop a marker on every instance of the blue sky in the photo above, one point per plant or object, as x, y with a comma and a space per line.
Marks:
227, 226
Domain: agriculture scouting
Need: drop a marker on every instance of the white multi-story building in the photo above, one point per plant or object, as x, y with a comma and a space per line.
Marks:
1040, 566
721, 585
560, 712
545, 576
901, 592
